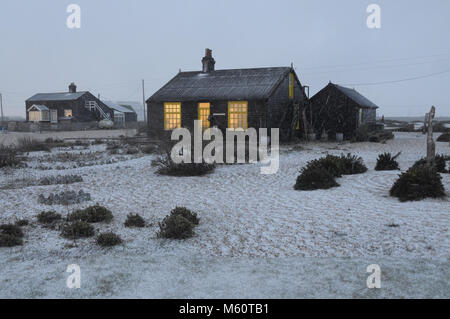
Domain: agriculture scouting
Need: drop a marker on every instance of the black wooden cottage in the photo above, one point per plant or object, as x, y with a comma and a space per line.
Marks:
71, 106
337, 109
237, 98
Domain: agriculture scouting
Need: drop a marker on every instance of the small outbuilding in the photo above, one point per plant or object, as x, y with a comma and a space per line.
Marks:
337, 109
123, 114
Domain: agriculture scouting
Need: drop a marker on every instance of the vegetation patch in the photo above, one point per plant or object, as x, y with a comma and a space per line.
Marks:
8, 157
92, 214
315, 178
28, 144
77, 229
417, 183
65, 198
176, 227
48, 217
186, 213
134, 221
10, 241
387, 162
166, 166
108, 240
22, 222
60, 179
11, 230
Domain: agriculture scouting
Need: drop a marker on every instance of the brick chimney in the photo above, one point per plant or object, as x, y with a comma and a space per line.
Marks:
208, 62
72, 88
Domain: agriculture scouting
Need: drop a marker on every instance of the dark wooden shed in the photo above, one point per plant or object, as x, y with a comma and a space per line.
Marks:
337, 109
236, 98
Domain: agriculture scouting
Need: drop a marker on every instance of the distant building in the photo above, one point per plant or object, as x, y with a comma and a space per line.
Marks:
337, 109
237, 98
71, 106
123, 114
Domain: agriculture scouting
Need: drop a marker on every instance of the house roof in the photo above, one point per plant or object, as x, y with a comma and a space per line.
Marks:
66, 96
237, 84
117, 107
356, 97
39, 107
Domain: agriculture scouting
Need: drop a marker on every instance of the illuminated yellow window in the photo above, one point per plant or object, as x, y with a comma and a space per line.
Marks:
237, 114
34, 116
291, 86
172, 115
67, 113
298, 126
204, 110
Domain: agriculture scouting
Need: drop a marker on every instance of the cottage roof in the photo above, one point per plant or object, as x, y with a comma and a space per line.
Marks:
239, 84
356, 97
38, 107
66, 96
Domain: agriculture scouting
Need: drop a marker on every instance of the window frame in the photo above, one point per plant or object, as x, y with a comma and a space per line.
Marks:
235, 112
291, 85
65, 113
166, 126
199, 108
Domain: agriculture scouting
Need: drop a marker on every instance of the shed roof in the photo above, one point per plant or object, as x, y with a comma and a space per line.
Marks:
356, 97
66, 96
257, 83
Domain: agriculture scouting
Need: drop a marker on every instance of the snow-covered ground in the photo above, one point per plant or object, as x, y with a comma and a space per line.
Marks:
257, 238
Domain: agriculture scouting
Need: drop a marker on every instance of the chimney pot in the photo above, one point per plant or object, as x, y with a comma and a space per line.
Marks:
72, 88
208, 61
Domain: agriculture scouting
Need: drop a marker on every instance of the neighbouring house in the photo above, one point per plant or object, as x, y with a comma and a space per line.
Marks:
270, 97
71, 106
337, 109
123, 114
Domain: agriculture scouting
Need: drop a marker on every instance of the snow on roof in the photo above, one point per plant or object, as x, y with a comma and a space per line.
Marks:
66, 96
39, 107
117, 107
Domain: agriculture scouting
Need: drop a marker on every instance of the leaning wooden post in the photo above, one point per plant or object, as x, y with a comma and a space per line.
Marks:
431, 146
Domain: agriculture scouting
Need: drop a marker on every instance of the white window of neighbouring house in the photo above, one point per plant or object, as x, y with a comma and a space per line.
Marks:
237, 115
172, 115
204, 110
67, 113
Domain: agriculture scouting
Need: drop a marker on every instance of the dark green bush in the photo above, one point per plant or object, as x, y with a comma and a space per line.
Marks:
108, 240
48, 217
315, 178
351, 164
166, 166
176, 227
22, 222
186, 213
92, 214
417, 183
387, 162
439, 163
10, 241
134, 221
28, 144
77, 229
329, 163
444, 138
12, 230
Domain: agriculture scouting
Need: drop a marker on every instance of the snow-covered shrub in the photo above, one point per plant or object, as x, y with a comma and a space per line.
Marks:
65, 198
444, 138
92, 214
10, 241
439, 162
22, 222
11, 230
387, 162
176, 227
351, 164
8, 157
48, 217
108, 240
77, 229
131, 150
60, 179
166, 166
149, 149
186, 213
313, 178
417, 183
134, 221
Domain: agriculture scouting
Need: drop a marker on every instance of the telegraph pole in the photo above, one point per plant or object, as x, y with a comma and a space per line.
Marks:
143, 100
1, 107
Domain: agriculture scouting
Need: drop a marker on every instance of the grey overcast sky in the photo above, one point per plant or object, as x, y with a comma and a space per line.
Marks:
121, 42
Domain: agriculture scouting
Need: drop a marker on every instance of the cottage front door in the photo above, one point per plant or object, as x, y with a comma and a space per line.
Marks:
54, 116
